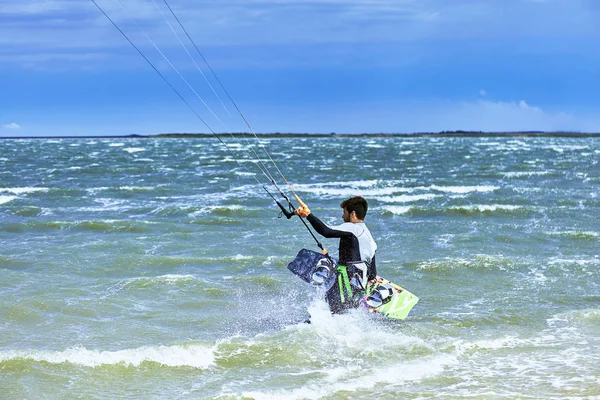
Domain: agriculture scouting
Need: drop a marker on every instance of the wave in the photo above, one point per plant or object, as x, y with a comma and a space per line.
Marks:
462, 189
466, 210
194, 356
168, 279
341, 340
223, 210
407, 198
336, 382
481, 262
23, 190
6, 199
587, 318
90, 225
581, 235
134, 149
376, 189
398, 210
526, 174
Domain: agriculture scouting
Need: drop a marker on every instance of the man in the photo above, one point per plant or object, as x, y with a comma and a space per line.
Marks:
356, 244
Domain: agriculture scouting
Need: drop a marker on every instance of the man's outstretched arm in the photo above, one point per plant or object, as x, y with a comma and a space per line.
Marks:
324, 230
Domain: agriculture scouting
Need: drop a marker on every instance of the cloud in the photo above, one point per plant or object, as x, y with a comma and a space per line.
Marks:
70, 27
429, 116
508, 116
482, 92
11, 125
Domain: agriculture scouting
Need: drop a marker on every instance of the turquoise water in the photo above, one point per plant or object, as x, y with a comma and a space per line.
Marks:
155, 268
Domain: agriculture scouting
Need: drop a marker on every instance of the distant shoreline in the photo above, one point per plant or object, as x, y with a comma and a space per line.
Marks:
322, 135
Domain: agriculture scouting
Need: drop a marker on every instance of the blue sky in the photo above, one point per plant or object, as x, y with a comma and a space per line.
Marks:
301, 66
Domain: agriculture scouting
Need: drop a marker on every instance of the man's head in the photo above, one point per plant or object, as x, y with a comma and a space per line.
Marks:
355, 209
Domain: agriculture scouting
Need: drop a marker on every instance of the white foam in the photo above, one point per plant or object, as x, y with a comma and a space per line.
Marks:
345, 339
364, 188
589, 234
589, 316
139, 188
170, 278
6, 199
23, 190
368, 188
116, 144
407, 198
464, 189
488, 207
517, 174
195, 356
207, 210
336, 381
397, 210
134, 149
562, 148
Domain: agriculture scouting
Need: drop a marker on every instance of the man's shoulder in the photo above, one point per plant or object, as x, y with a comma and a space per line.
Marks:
350, 227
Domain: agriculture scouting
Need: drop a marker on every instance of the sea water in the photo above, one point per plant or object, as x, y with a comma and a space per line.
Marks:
155, 268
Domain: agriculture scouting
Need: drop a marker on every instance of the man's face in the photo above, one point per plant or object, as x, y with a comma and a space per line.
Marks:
346, 215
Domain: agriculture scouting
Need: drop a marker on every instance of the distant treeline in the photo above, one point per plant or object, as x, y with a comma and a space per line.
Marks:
415, 134
458, 133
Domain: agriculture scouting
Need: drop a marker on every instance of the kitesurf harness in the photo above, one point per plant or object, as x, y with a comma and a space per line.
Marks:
352, 276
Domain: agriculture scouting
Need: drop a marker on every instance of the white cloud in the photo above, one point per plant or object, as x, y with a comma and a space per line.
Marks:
479, 115
66, 28
488, 115
426, 116
12, 125
482, 92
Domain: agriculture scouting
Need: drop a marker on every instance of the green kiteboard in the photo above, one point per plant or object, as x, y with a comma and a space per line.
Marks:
396, 305
381, 296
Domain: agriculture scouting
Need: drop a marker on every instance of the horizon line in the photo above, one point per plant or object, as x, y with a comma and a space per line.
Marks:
453, 133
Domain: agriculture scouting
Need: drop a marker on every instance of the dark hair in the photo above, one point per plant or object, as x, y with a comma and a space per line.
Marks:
356, 204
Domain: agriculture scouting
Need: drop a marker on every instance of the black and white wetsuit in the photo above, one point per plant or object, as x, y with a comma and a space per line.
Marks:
356, 244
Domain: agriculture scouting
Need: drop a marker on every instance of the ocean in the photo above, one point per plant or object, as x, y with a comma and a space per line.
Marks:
155, 268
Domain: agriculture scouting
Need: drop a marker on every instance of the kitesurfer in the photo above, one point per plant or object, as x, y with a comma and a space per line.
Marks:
356, 244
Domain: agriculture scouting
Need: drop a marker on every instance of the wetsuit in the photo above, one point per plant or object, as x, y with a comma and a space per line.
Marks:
356, 244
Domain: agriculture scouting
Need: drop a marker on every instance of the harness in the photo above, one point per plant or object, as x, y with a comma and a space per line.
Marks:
356, 280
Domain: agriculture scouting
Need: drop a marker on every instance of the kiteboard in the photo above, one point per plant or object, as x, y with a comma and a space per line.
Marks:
379, 296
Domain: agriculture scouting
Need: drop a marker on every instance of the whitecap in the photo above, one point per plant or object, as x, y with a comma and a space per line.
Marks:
195, 356
517, 174
397, 210
6, 199
488, 207
134, 149
24, 190
343, 338
407, 198
464, 189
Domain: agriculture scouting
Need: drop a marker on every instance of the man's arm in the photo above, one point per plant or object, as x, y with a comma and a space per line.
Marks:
326, 231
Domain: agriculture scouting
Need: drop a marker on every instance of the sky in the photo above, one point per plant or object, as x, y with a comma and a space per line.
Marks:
310, 66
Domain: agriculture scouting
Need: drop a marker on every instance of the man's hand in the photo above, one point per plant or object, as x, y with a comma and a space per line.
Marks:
376, 280
303, 211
